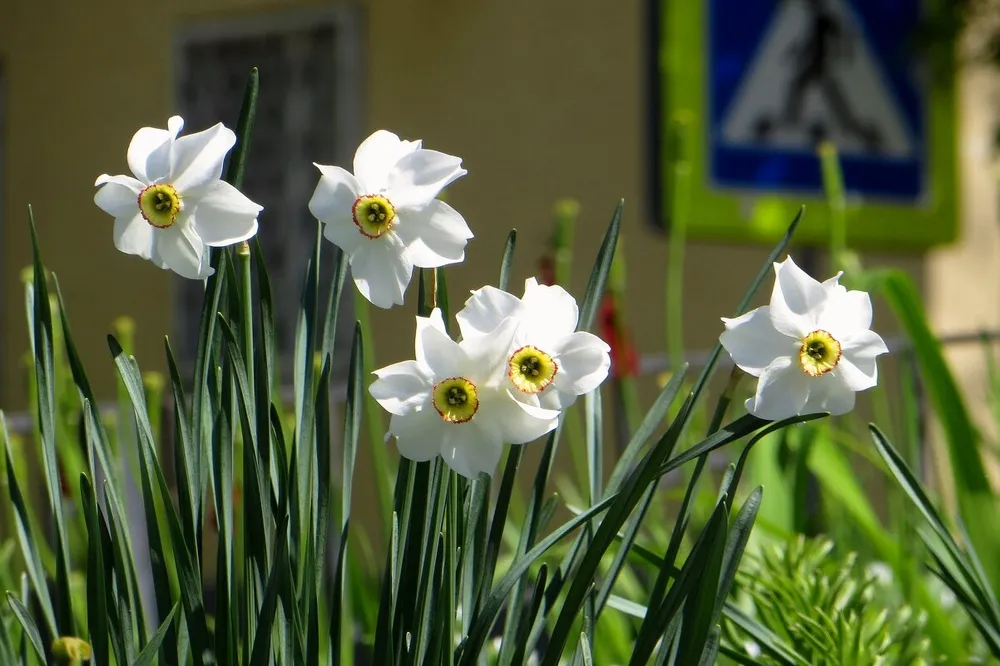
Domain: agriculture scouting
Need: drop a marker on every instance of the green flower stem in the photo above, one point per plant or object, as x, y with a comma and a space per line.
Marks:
628, 394
567, 212
833, 184
373, 414
153, 383
680, 198
246, 295
124, 331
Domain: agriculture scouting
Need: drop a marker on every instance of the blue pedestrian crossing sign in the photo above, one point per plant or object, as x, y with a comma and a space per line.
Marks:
777, 79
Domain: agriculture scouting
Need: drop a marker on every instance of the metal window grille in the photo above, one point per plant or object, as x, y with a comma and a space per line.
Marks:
306, 113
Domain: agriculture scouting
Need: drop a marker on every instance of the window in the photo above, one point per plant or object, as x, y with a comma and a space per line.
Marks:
307, 112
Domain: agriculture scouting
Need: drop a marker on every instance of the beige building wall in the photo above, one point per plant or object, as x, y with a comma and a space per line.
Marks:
542, 99
963, 280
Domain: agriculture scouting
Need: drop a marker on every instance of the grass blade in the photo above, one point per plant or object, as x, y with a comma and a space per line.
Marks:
768, 641
502, 506
98, 583
30, 629
739, 535
244, 129
972, 486
277, 579
695, 591
182, 450
324, 490
649, 424
100, 444
508, 257
46, 395
484, 621
595, 443
26, 537
340, 615
599, 276
188, 577
152, 649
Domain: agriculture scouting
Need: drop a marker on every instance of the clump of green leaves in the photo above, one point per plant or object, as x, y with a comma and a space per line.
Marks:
827, 609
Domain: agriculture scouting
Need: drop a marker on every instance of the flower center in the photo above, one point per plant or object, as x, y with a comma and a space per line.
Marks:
159, 205
373, 215
819, 353
456, 399
531, 370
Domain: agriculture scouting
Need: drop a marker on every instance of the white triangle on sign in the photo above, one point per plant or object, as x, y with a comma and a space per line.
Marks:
818, 48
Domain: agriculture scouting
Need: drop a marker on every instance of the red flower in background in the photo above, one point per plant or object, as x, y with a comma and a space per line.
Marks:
624, 359
546, 270
67, 492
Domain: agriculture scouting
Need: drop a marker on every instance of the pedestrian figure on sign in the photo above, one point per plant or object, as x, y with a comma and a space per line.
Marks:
815, 57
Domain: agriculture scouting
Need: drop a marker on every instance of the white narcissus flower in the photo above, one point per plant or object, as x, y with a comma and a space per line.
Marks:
811, 348
176, 203
452, 400
385, 216
549, 360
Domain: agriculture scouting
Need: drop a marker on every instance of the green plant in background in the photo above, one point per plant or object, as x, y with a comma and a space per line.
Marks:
826, 609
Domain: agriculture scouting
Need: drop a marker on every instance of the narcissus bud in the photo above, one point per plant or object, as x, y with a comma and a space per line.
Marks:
71, 651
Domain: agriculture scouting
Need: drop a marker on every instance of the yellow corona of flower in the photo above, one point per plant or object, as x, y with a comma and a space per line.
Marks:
175, 203
811, 348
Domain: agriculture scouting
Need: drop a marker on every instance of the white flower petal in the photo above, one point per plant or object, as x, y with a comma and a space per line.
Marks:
794, 299
753, 342
553, 398
401, 387
518, 423
174, 125
118, 196
485, 310
829, 393
133, 235
418, 434
224, 215
485, 356
857, 364
381, 271
435, 235
469, 450
583, 361
332, 203
833, 286
861, 349
437, 351
196, 159
853, 377
419, 176
845, 313
149, 151
782, 391
550, 313
375, 158
182, 251
435, 321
